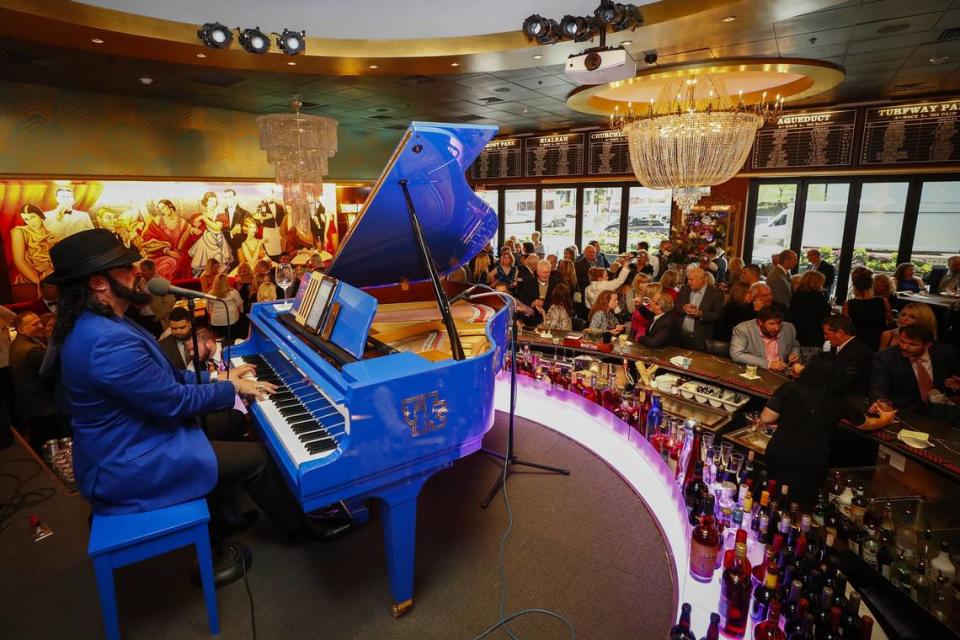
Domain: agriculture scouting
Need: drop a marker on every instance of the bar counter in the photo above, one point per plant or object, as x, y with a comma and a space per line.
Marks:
943, 457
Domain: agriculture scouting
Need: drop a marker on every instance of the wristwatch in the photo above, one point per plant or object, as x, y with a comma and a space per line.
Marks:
214, 376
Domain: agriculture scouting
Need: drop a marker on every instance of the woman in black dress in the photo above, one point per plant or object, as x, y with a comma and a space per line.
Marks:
808, 309
868, 313
807, 411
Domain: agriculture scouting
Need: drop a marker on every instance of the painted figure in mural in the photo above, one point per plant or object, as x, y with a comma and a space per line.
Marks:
207, 237
236, 217
30, 244
161, 242
270, 214
64, 220
252, 249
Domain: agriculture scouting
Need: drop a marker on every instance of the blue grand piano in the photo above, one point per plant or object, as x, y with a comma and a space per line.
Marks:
387, 383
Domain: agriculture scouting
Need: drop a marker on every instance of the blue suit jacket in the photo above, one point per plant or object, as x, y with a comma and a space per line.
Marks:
136, 446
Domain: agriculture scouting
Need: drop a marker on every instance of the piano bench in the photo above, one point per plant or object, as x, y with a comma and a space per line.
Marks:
116, 541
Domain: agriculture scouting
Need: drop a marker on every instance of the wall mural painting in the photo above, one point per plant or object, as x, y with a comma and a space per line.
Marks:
179, 225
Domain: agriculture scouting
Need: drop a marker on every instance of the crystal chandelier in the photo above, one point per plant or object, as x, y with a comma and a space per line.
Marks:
298, 146
692, 136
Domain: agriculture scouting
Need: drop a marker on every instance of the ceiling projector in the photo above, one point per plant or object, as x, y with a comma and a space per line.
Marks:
601, 65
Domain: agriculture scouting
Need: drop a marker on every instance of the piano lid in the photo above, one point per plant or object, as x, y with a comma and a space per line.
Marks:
381, 249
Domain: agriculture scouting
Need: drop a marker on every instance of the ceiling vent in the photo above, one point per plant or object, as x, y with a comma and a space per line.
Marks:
949, 34
913, 86
490, 100
893, 28
380, 117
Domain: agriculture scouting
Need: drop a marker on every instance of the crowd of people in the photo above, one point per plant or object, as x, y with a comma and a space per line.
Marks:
764, 316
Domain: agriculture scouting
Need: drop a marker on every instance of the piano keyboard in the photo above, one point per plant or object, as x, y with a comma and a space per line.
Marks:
308, 425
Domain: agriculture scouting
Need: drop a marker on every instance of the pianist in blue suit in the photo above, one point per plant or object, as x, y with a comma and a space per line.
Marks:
137, 445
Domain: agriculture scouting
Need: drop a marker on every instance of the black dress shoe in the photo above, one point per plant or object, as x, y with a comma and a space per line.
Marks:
329, 528
234, 522
231, 560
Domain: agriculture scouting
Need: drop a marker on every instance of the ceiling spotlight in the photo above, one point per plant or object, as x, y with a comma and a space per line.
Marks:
939, 59
201, 55
254, 40
626, 43
576, 28
96, 40
542, 30
292, 42
630, 18
537, 56
215, 35
373, 66
291, 64
608, 12
729, 18
146, 80
454, 64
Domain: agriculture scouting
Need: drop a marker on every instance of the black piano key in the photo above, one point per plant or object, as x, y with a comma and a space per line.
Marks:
284, 403
307, 438
302, 414
321, 446
306, 426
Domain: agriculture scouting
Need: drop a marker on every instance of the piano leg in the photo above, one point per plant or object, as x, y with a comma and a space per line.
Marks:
399, 529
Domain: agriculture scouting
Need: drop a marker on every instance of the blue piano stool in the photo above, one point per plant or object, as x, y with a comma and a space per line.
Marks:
116, 541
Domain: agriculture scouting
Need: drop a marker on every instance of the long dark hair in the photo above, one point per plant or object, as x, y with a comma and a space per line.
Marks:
75, 298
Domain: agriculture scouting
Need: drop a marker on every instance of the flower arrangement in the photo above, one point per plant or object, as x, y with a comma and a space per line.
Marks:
705, 226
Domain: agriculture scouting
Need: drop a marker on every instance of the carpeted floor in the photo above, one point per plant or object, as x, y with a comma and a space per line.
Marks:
583, 546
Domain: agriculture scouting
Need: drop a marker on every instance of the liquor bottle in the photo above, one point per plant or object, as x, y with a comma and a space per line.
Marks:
941, 564
805, 632
760, 486
920, 584
690, 454
850, 620
866, 628
839, 589
869, 550
831, 524
835, 487
819, 511
940, 599
887, 524
858, 508
830, 630
610, 396
845, 499
735, 594
763, 530
590, 390
694, 493
795, 624
681, 630
654, 415
645, 403
791, 604
800, 547
704, 545
713, 631
746, 472
764, 593
822, 614
760, 508
900, 573
855, 539
884, 558
769, 629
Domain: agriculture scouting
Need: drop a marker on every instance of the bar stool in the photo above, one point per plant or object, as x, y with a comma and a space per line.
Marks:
116, 541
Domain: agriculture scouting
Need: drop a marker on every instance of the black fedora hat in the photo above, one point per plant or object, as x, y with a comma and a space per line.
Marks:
86, 253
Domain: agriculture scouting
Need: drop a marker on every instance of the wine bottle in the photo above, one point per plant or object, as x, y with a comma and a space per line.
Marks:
694, 492
884, 558
735, 594
769, 629
805, 632
792, 602
866, 628
654, 415
858, 508
704, 546
765, 593
681, 630
941, 564
713, 631
795, 624
920, 584
850, 620
900, 573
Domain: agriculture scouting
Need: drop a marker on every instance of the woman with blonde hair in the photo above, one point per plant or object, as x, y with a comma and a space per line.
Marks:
669, 281
481, 268
210, 272
734, 267
267, 292
636, 290
225, 316
913, 313
639, 321
506, 271
602, 315
883, 288
568, 275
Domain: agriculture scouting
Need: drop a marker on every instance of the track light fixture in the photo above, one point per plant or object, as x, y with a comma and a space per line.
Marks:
215, 35
630, 18
577, 28
540, 29
608, 12
291, 42
254, 40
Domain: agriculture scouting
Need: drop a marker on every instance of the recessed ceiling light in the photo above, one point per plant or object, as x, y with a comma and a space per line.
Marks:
537, 56
291, 64
454, 64
626, 43
373, 66
96, 40
939, 59
201, 55
146, 80
729, 18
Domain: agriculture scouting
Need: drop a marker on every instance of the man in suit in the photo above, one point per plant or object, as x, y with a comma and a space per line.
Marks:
47, 302
947, 278
817, 263
718, 264
779, 277
535, 292
64, 220
766, 342
662, 330
583, 264
916, 373
663, 257
698, 308
237, 215
136, 445
270, 215
33, 398
853, 353
174, 344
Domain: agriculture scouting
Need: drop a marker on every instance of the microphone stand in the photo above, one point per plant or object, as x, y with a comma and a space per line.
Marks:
510, 459
191, 306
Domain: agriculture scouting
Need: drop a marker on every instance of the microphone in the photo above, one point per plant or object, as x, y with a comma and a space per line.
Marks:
161, 287
466, 293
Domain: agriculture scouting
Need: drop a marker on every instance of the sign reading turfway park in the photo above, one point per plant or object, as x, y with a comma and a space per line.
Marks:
912, 133
501, 158
801, 140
